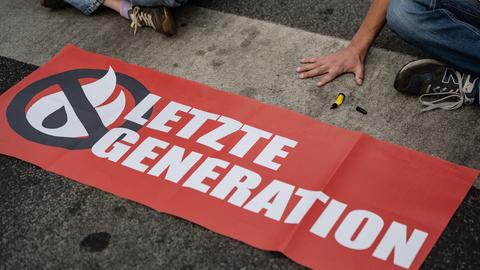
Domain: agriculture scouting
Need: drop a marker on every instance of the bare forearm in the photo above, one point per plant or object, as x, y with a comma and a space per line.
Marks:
370, 27
349, 59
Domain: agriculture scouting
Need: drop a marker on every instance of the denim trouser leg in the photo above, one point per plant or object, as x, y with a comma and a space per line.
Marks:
446, 29
89, 6
85, 6
153, 3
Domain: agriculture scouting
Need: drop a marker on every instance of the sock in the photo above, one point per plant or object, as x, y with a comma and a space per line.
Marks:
477, 94
125, 7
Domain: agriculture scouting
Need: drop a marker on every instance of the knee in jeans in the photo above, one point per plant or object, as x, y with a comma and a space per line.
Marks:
402, 19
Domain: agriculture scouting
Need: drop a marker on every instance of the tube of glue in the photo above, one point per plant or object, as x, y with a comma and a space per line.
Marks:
338, 101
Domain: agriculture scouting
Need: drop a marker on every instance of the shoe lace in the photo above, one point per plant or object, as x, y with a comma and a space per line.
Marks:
140, 18
447, 99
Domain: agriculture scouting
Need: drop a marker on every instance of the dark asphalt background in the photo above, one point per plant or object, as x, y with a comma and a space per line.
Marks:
51, 222
327, 17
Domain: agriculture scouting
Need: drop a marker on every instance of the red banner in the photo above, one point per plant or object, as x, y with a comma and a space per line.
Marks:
326, 197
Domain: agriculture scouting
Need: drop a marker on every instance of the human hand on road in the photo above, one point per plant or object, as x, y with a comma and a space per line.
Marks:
347, 60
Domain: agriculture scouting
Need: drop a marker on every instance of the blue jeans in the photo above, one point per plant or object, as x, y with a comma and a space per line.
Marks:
89, 6
448, 30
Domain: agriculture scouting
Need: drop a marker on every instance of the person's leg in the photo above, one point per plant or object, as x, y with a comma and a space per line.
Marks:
151, 13
156, 3
113, 4
449, 30
159, 18
464, 10
123, 7
156, 14
87, 7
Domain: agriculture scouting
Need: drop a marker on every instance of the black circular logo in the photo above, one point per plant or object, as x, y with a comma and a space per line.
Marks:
78, 115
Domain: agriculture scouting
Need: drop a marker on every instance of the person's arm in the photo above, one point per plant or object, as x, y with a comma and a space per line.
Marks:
350, 59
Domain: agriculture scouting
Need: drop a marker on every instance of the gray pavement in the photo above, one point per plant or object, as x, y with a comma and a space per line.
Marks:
51, 222
332, 18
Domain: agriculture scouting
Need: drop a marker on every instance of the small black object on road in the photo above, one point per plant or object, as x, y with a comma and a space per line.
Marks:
361, 110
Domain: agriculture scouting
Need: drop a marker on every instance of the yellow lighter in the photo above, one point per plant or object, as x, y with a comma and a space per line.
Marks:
338, 101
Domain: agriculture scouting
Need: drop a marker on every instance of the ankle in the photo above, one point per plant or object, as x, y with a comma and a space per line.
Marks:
125, 9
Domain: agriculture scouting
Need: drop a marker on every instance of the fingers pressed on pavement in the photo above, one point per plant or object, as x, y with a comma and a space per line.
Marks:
311, 73
315, 72
308, 60
327, 78
306, 67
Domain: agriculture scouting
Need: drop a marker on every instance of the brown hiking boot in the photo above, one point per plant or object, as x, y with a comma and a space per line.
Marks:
158, 18
53, 4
